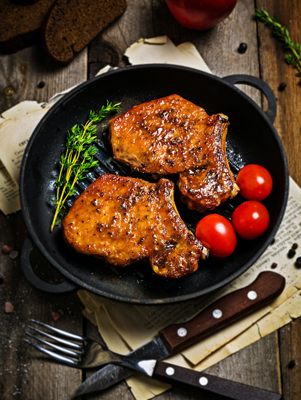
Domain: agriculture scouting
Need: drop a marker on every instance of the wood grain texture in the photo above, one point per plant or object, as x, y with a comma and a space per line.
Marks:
221, 388
256, 365
274, 70
233, 306
25, 373
290, 357
20, 74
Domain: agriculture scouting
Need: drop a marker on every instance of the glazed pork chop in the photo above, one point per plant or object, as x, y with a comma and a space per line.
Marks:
171, 136
123, 220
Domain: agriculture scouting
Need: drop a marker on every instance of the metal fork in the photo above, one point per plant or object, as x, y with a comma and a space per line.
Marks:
89, 353
86, 353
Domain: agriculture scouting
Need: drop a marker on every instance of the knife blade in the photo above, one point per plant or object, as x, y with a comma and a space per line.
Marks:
226, 310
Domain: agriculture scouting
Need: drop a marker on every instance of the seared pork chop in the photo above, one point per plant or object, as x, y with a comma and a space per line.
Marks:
171, 136
123, 220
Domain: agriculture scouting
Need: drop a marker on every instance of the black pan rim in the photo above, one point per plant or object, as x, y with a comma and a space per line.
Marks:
169, 300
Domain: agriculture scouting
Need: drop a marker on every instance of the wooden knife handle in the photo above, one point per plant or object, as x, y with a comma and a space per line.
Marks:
228, 309
221, 388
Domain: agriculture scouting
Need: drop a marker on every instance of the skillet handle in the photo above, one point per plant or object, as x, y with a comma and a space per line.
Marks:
62, 288
258, 84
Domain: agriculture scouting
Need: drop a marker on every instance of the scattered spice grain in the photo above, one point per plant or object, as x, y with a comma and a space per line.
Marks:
7, 249
292, 364
242, 48
291, 253
274, 265
55, 316
13, 254
295, 246
8, 307
298, 262
41, 84
281, 87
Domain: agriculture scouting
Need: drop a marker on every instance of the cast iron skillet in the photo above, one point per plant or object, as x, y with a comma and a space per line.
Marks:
251, 139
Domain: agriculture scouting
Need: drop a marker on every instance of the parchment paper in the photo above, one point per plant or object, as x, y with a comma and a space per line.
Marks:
12, 146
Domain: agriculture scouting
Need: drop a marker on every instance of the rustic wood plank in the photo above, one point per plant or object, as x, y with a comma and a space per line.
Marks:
23, 370
219, 46
290, 354
275, 70
25, 373
255, 365
19, 75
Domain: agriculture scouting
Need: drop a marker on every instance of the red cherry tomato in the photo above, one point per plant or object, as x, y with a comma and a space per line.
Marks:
200, 14
250, 219
217, 234
255, 182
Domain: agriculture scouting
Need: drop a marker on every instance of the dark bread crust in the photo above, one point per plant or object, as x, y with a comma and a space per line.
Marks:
21, 23
72, 24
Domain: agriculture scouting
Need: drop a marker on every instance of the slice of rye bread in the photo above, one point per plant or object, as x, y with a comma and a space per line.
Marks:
72, 24
20, 23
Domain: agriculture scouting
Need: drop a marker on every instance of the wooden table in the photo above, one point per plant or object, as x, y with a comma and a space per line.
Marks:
268, 362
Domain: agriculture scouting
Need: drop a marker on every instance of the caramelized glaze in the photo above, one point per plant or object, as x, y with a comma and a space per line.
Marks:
123, 220
171, 136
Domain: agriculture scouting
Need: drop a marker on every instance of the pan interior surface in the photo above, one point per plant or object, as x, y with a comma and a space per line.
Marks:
251, 139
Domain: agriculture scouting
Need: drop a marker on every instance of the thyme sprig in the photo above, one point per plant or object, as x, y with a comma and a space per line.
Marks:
282, 33
78, 157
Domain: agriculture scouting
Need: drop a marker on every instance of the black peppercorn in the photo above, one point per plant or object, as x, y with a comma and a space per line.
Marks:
242, 48
282, 86
274, 265
295, 246
292, 364
291, 253
273, 241
1, 281
41, 84
298, 262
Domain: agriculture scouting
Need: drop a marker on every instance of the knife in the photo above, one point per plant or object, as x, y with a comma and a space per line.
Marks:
197, 381
226, 310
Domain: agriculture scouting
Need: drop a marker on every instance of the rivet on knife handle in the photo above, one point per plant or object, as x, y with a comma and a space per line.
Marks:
267, 286
210, 384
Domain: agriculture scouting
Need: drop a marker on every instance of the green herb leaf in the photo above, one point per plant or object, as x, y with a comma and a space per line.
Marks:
282, 33
78, 158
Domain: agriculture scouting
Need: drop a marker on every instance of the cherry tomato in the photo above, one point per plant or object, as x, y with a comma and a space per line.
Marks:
200, 14
255, 182
250, 219
217, 234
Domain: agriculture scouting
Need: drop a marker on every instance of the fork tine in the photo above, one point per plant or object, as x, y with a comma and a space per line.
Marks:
50, 353
60, 331
66, 342
59, 348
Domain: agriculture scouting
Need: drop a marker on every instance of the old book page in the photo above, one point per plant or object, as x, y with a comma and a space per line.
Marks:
21, 120
13, 150
9, 192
